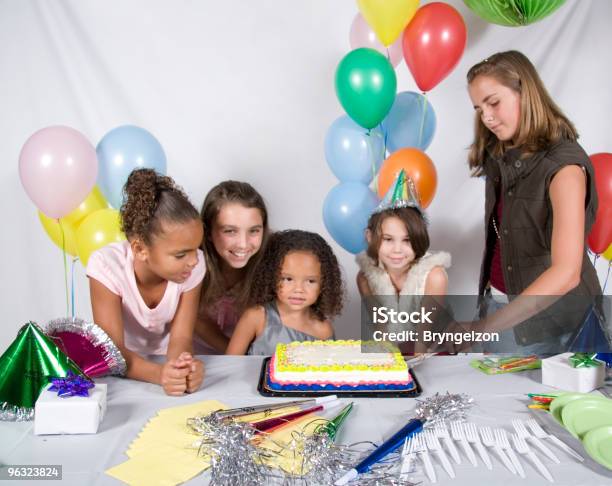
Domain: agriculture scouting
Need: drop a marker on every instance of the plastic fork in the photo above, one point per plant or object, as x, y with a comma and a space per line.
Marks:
501, 438
540, 433
522, 448
523, 433
489, 441
421, 448
408, 453
459, 435
433, 444
442, 432
472, 436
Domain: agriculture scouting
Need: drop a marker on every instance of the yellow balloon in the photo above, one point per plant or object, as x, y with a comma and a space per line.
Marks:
93, 202
97, 230
608, 253
54, 232
388, 18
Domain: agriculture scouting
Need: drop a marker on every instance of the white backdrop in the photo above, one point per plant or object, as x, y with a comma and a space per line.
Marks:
245, 90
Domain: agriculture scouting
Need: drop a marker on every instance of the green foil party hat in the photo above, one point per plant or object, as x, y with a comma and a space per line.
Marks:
402, 194
25, 369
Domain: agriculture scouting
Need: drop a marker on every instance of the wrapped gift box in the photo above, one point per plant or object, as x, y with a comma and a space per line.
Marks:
558, 372
70, 415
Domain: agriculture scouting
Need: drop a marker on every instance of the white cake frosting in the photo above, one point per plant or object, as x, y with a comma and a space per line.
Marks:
337, 362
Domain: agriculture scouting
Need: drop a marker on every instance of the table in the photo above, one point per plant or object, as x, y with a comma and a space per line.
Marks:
233, 380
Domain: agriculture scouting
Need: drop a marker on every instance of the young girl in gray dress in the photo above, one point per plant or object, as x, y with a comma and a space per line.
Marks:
297, 289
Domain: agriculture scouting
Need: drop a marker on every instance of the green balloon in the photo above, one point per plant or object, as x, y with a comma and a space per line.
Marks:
365, 86
513, 13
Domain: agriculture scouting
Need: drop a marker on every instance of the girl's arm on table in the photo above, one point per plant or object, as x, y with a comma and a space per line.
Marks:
249, 326
106, 308
180, 344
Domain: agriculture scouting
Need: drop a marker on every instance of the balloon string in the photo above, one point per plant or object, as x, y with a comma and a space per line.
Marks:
422, 125
603, 291
65, 264
74, 260
375, 172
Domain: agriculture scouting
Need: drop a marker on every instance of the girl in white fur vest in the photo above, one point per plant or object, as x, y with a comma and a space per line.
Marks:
396, 262
396, 270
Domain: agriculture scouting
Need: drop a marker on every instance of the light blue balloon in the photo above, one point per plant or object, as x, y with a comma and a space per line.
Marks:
410, 123
353, 154
122, 150
346, 210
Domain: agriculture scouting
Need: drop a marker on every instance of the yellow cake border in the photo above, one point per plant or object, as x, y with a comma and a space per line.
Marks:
281, 364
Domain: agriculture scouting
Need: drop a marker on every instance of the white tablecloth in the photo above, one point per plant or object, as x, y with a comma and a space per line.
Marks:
233, 380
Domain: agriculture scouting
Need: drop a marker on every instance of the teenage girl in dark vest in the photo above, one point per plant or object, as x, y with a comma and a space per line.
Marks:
540, 204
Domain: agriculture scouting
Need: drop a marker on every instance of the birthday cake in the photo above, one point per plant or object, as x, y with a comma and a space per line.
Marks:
338, 365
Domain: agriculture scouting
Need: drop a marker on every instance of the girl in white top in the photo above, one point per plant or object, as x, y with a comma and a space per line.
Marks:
397, 261
397, 269
145, 291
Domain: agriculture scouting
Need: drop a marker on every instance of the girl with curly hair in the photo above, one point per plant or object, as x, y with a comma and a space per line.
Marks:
235, 223
145, 291
296, 291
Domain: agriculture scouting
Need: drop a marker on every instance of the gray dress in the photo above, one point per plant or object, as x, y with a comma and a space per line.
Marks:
275, 332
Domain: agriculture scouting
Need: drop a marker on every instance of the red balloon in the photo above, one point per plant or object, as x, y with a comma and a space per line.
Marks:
600, 236
433, 43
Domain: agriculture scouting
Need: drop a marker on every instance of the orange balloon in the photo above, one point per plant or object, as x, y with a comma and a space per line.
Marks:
418, 167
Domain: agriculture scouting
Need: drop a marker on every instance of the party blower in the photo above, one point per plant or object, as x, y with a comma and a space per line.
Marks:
267, 408
276, 423
435, 409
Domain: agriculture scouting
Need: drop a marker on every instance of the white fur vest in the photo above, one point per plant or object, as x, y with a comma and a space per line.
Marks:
380, 282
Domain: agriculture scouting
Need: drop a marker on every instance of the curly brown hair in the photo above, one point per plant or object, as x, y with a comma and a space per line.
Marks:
265, 282
150, 198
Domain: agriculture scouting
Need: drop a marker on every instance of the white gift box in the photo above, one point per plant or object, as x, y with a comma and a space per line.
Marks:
70, 415
558, 372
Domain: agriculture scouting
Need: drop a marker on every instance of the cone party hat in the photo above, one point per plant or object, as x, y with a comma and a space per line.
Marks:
402, 194
26, 368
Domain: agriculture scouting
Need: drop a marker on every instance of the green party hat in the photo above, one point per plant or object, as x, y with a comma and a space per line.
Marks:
26, 368
331, 428
402, 194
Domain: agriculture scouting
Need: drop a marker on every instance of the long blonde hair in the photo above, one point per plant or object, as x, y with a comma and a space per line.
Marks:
541, 121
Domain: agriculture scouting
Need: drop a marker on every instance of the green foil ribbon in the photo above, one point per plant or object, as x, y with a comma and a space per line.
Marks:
584, 360
513, 13
26, 368
331, 428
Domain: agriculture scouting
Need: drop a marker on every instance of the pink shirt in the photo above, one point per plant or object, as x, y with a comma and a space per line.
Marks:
146, 330
224, 314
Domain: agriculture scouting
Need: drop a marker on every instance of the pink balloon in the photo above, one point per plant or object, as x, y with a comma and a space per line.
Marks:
362, 35
58, 169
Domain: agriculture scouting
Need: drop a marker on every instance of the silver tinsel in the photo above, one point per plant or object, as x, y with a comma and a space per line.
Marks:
442, 408
12, 413
95, 335
237, 460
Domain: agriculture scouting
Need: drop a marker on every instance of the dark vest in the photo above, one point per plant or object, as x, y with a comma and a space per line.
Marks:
526, 227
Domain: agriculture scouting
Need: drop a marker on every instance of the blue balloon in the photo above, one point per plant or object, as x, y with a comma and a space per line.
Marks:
410, 123
346, 210
353, 154
122, 150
